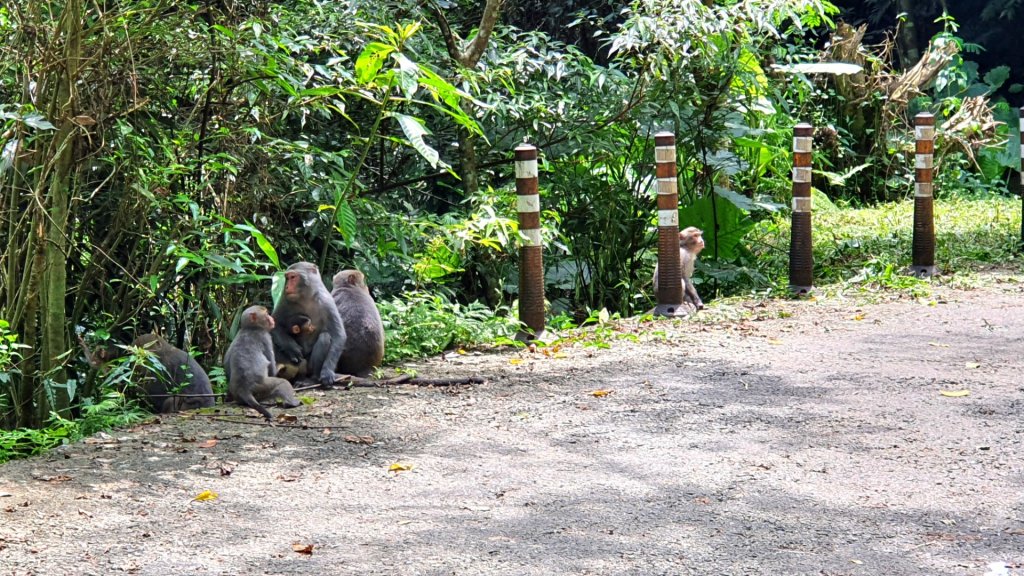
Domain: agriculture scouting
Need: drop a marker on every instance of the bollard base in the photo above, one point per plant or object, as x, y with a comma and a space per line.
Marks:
800, 290
528, 337
923, 271
673, 310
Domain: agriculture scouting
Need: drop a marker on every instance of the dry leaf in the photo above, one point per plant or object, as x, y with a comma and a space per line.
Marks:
774, 341
302, 548
205, 495
359, 439
601, 393
515, 361
208, 444
858, 316
954, 393
972, 365
938, 344
327, 431
282, 417
57, 478
399, 467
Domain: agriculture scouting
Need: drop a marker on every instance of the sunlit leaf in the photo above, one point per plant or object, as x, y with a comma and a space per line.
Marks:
399, 467
205, 495
601, 393
302, 548
415, 132
955, 393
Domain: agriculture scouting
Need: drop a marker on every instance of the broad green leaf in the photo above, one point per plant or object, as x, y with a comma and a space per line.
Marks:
370, 61
277, 286
415, 131
346, 219
267, 248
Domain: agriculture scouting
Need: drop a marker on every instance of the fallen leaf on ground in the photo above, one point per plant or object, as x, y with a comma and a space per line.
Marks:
858, 317
515, 361
359, 439
938, 344
972, 365
774, 341
954, 393
302, 548
208, 444
205, 495
57, 478
601, 393
399, 467
287, 418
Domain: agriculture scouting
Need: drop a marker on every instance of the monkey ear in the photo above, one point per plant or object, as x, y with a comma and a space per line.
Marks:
353, 279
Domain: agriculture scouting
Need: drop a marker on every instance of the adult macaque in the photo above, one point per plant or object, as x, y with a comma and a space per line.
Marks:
249, 364
178, 383
306, 295
691, 242
364, 348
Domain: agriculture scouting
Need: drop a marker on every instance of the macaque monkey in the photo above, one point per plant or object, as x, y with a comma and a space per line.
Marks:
364, 349
295, 367
249, 364
691, 242
178, 383
306, 295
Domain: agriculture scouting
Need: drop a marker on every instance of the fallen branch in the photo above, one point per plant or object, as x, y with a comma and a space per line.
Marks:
349, 381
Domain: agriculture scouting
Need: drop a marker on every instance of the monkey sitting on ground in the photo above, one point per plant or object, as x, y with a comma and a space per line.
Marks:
364, 348
249, 364
691, 242
305, 294
178, 383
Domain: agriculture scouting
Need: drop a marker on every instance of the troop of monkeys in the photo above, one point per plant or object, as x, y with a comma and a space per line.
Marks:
311, 333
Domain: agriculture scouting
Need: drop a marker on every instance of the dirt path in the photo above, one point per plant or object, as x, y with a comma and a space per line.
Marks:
807, 438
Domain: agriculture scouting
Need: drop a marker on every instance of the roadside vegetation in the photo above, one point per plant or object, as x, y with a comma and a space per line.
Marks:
161, 162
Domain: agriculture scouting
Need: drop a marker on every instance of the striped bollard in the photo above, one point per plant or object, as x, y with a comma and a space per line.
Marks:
924, 220
531, 269
801, 258
669, 291
1022, 176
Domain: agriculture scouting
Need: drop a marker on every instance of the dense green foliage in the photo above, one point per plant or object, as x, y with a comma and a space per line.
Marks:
162, 161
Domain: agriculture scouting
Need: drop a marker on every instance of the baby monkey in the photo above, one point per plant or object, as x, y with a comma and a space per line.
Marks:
691, 242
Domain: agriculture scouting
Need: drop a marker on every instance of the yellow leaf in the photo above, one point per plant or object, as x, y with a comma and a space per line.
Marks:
515, 361
774, 341
601, 393
205, 495
399, 467
972, 365
858, 317
461, 351
559, 355
954, 393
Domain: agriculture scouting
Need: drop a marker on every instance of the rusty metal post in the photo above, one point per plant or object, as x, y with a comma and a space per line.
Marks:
531, 268
669, 276
801, 257
924, 219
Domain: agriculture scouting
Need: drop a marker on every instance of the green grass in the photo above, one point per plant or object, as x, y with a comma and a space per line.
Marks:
870, 248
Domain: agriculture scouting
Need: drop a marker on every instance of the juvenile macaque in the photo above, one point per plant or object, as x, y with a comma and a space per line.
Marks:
178, 383
364, 348
306, 295
290, 363
691, 242
249, 364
